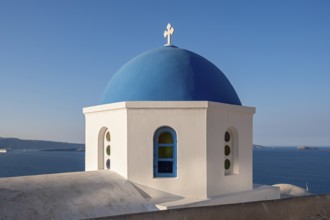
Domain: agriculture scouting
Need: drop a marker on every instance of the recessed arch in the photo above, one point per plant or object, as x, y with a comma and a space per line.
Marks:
100, 148
104, 149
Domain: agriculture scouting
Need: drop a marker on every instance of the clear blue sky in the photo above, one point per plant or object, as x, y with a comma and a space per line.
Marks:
57, 57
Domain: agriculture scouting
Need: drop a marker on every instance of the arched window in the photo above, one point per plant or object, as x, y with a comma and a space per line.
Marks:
107, 149
231, 151
165, 153
104, 149
228, 153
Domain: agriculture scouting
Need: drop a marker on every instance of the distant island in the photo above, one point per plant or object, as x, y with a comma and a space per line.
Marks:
13, 144
307, 148
256, 146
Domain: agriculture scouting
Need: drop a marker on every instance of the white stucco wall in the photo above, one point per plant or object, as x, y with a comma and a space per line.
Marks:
114, 118
239, 120
199, 126
188, 119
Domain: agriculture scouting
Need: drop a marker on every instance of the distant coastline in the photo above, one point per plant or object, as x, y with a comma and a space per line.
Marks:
299, 148
307, 148
81, 149
16, 144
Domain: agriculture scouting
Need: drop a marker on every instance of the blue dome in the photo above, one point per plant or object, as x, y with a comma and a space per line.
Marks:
169, 74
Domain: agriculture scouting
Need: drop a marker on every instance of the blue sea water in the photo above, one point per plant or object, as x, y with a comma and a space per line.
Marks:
292, 166
270, 165
33, 162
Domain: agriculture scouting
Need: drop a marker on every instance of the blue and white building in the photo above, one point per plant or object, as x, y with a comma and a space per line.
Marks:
170, 121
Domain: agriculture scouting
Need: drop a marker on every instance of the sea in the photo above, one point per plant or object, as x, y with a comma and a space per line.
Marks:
304, 168
35, 162
271, 165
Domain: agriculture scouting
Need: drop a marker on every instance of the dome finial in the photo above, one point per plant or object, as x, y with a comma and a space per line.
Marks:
167, 33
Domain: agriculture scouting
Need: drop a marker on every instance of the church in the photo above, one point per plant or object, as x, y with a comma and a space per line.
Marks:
170, 133
172, 124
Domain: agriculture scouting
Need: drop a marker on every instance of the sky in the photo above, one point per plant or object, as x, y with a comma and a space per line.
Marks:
56, 57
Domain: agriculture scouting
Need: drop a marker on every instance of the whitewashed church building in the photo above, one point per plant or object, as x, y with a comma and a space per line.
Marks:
171, 123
